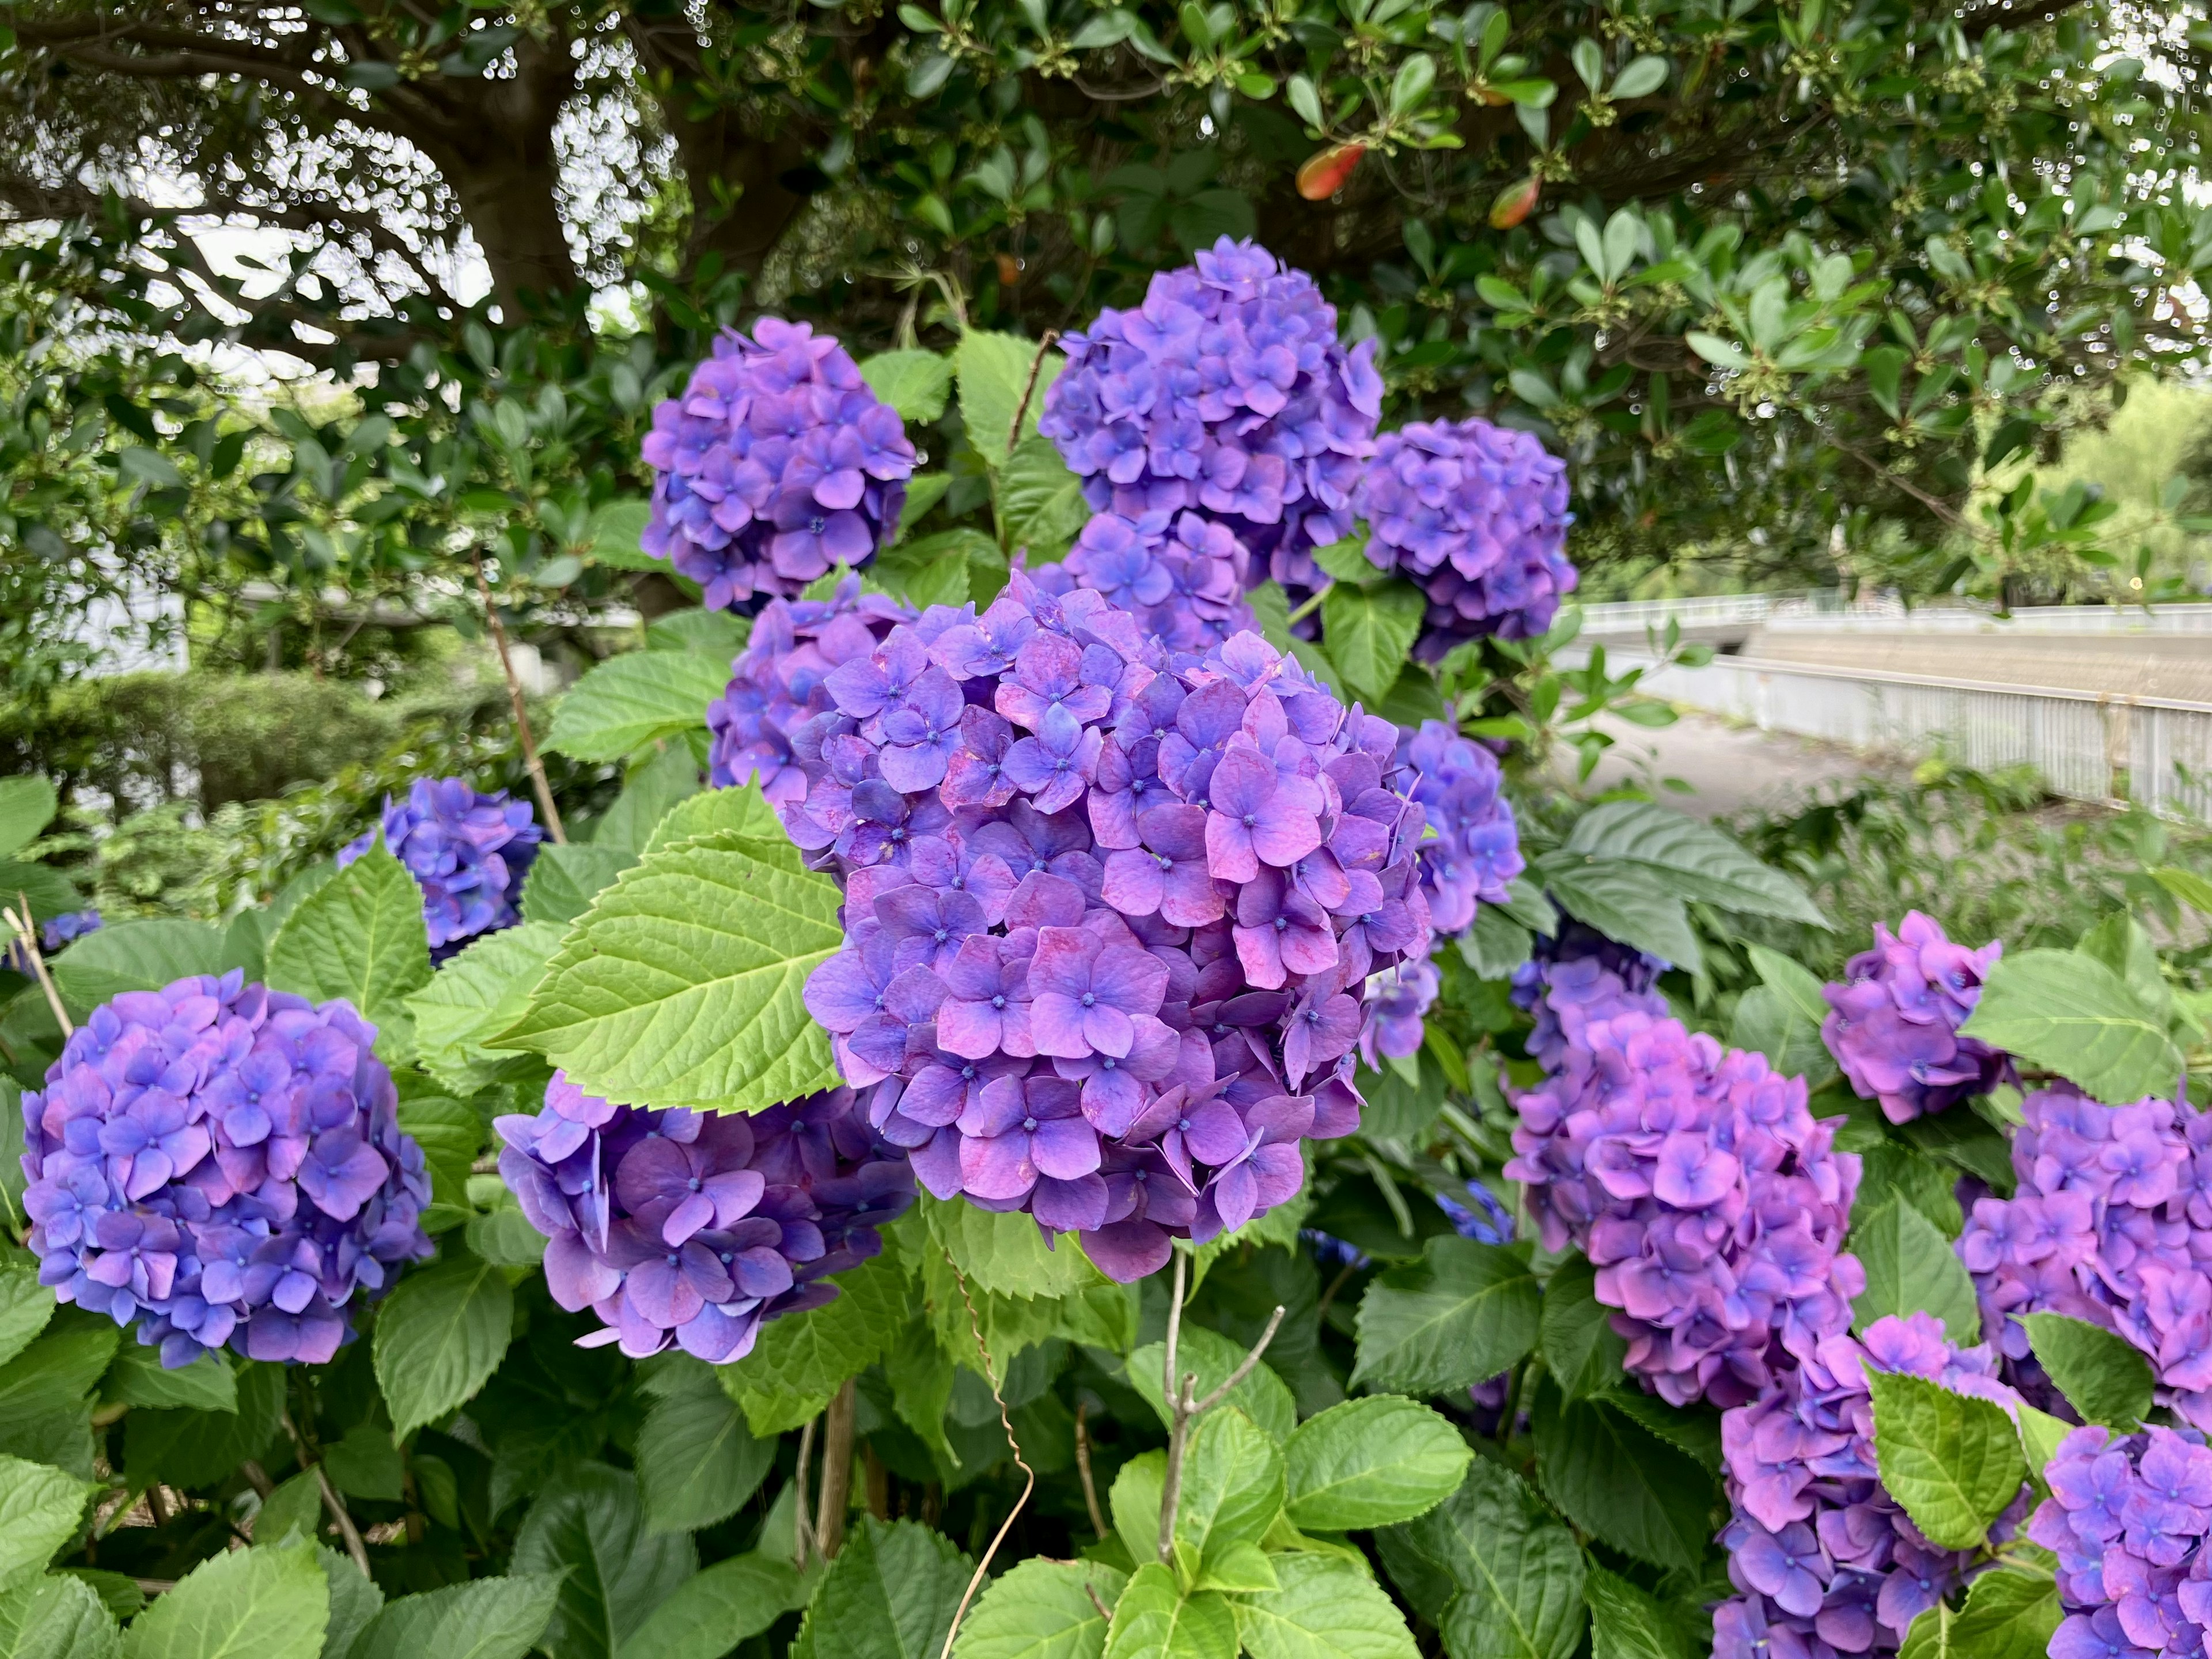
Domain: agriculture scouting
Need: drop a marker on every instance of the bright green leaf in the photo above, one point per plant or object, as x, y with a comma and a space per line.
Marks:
1910, 1268
360, 936
628, 701
1370, 1462
440, 1336
39, 1507
2067, 1012
1369, 632
1954, 1462
242, 1604
994, 370
2103, 1376
1325, 1608
890, 1595
1041, 1609
1155, 1620
483, 1618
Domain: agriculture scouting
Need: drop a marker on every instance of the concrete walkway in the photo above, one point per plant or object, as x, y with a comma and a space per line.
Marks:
1729, 768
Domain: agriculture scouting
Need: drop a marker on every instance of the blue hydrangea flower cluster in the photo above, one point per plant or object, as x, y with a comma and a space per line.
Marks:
53, 933
1181, 575
1476, 852
1577, 976
1225, 393
697, 1228
2111, 1221
467, 851
2127, 1518
1712, 1204
1827, 1561
1894, 1023
777, 465
222, 1163
1476, 516
1110, 915
1398, 1011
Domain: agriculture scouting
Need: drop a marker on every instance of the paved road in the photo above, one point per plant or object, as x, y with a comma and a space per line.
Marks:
1727, 768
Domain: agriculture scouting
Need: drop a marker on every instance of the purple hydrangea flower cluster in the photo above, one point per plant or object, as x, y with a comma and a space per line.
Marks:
1225, 393
1398, 1009
222, 1163
778, 463
2128, 1518
467, 851
1828, 1562
1893, 1025
1110, 915
1181, 575
2111, 1221
1712, 1204
1476, 852
1577, 976
698, 1228
1476, 516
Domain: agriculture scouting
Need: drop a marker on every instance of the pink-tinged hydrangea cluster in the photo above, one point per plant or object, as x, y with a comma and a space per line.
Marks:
1110, 915
222, 1163
1828, 1562
1181, 575
1398, 1003
467, 851
1577, 976
1225, 393
1476, 516
777, 465
1712, 1204
2111, 1221
696, 1229
1476, 852
2128, 1517
1894, 1023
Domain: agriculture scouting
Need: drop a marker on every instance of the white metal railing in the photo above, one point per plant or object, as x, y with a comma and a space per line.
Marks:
1633, 616
2086, 745
1829, 612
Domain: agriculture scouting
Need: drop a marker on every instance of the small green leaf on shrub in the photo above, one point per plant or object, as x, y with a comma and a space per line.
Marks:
484, 1618
628, 701
1495, 1570
39, 1507
718, 1607
439, 1336
1155, 1620
1323, 1607
1460, 1316
360, 936
271, 1603
1910, 1268
2007, 1615
2065, 1011
1041, 1609
1368, 632
890, 1592
914, 383
1370, 1462
2103, 1376
1954, 1463
1618, 1482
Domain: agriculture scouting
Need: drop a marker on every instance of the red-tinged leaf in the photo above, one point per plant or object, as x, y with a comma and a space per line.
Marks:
1515, 203
1325, 175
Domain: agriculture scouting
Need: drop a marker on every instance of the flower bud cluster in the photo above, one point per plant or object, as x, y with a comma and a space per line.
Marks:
1476, 852
1476, 516
1110, 915
1577, 976
2128, 1517
1712, 1204
1894, 1023
1827, 1561
1225, 393
676, 1225
467, 851
2111, 1221
222, 1163
777, 465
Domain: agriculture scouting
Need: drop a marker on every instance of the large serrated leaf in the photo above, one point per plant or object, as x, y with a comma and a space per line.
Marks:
1005, 1253
589, 1525
682, 985
1370, 1462
802, 1359
1041, 500
1954, 1462
439, 1338
1619, 1483
1698, 861
628, 701
38, 1510
483, 1618
2065, 1011
1154, 1619
890, 1595
1626, 901
913, 383
718, 1608
1323, 1607
474, 998
271, 1603
2103, 1376
360, 936
134, 956
1457, 1317
26, 806
1041, 1609
1498, 1573
994, 370
1910, 1268
1369, 631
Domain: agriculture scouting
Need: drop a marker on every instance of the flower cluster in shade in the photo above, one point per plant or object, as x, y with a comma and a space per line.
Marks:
695, 1229
1181, 575
1398, 1003
1712, 1204
53, 933
1576, 976
1225, 393
2111, 1221
1110, 913
2128, 1518
1476, 516
1894, 1023
222, 1163
1476, 853
777, 465
1828, 1562
467, 851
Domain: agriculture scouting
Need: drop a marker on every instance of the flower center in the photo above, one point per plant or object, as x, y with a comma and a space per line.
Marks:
1029, 1126
1090, 999
816, 525
997, 1002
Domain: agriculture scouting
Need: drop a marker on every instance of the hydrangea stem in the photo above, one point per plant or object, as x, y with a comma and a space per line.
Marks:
19, 922
543, 790
1082, 1467
1029, 389
837, 1492
1006, 1422
1185, 1407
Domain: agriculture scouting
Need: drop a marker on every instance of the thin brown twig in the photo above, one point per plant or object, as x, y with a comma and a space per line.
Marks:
1006, 1422
1343, 1273
802, 1525
1028, 391
1091, 1591
544, 791
835, 1494
1245, 1366
1083, 1466
332, 1501
1185, 1407
19, 923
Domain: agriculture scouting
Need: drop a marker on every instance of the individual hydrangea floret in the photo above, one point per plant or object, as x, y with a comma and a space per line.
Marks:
1894, 1023
1181, 575
2111, 1221
1576, 976
1712, 1204
1110, 912
1225, 393
1828, 1562
1476, 516
675, 1226
468, 852
2127, 1518
222, 1163
1475, 854
777, 465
